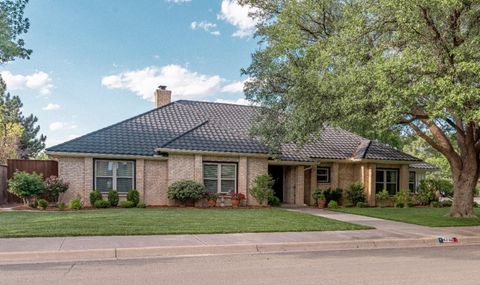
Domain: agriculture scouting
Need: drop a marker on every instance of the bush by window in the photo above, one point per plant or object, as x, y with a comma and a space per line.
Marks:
185, 190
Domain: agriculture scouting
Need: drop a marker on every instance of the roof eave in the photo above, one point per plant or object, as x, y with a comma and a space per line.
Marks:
212, 153
104, 155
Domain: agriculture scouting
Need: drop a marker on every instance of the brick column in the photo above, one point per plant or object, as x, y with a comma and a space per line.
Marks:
87, 179
404, 174
198, 175
140, 178
334, 176
242, 176
299, 186
369, 174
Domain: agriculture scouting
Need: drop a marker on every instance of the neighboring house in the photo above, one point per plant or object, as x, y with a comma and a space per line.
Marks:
210, 143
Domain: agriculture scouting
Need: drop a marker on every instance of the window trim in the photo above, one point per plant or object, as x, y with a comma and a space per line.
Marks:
219, 175
397, 183
114, 178
328, 174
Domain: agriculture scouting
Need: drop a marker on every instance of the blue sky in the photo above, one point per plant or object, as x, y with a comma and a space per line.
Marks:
95, 63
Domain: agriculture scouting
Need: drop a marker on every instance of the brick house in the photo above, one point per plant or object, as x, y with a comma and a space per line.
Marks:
210, 143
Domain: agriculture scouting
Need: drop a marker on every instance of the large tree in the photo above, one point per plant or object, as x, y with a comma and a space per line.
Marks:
18, 134
379, 65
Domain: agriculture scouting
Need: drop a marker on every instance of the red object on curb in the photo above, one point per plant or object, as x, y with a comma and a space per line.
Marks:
447, 240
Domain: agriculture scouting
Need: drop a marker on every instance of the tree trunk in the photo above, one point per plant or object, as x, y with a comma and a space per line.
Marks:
464, 182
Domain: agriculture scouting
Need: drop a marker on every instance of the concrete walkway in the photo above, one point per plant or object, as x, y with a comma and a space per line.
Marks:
387, 234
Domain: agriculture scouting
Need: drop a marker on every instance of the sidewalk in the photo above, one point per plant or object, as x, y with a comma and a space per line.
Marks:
387, 234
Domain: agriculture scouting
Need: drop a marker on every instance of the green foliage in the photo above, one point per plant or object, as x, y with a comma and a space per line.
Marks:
133, 196
382, 196
12, 26
362, 205
61, 206
435, 204
101, 204
475, 205
318, 194
355, 193
446, 203
429, 189
332, 204
141, 205
373, 67
333, 195
402, 197
262, 188
54, 187
33, 204
399, 205
42, 203
274, 201
185, 190
26, 185
113, 198
30, 144
211, 196
94, 196
127, 204
75, 204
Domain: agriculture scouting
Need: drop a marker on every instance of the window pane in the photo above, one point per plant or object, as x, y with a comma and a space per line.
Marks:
210, 186
379, 177
379, 187
210, 171
228, 186
125, 168
104, 184
323, 174
124, 184
391, 176
228, 171
104, 168
391, 188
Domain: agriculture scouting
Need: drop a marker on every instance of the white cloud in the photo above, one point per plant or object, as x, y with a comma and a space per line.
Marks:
238, 16
57, 126
51, 107
234, 87
38, 81
240, 101
185, 84
206, 26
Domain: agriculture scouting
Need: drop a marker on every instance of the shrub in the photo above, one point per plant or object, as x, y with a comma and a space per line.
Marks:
399, 205
332, 204
101, 204
141, 205
54, 187
274, 201
429, 189
475, 204
113, 198
446, 203
318, 195
61, 206
126, 204
333, 195
238, 196
382, 197
185, 190
355, 193
410, 205
94, 196
362, 205
42, 203
435, 204
262, 188
211, 196
402, 197
76, 204
33, 204
26, 185
133, 196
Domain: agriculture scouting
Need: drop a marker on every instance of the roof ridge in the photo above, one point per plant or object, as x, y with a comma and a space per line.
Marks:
183, 134
111, 126
362, 149
218, 103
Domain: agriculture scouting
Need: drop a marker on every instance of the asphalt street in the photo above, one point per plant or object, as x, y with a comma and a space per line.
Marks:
449, 265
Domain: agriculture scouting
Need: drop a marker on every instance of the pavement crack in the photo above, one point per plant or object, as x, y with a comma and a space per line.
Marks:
69, 269
198, 239
61, 244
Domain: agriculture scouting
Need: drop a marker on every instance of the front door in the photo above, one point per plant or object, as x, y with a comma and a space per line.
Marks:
276, 171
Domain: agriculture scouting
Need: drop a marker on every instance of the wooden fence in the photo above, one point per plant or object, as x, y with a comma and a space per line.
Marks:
3, 184
45, 167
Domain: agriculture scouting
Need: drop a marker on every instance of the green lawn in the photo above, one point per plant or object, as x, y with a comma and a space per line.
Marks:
162, 221
432, 217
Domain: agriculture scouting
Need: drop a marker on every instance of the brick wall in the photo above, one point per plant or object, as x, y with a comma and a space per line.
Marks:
72, 170
155, 182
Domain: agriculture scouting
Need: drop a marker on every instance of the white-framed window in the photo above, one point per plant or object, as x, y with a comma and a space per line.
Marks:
220, 177
386, 179
114, 175
323, 174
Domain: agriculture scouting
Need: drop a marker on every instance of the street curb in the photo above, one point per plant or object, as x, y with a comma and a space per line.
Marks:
183, 251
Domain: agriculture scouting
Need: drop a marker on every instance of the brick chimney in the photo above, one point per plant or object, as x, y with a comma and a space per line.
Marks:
162, 96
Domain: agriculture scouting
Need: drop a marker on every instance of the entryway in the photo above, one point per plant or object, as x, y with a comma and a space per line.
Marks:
276, 171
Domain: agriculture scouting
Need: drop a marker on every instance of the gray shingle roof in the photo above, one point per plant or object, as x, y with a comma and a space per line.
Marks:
218, 127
